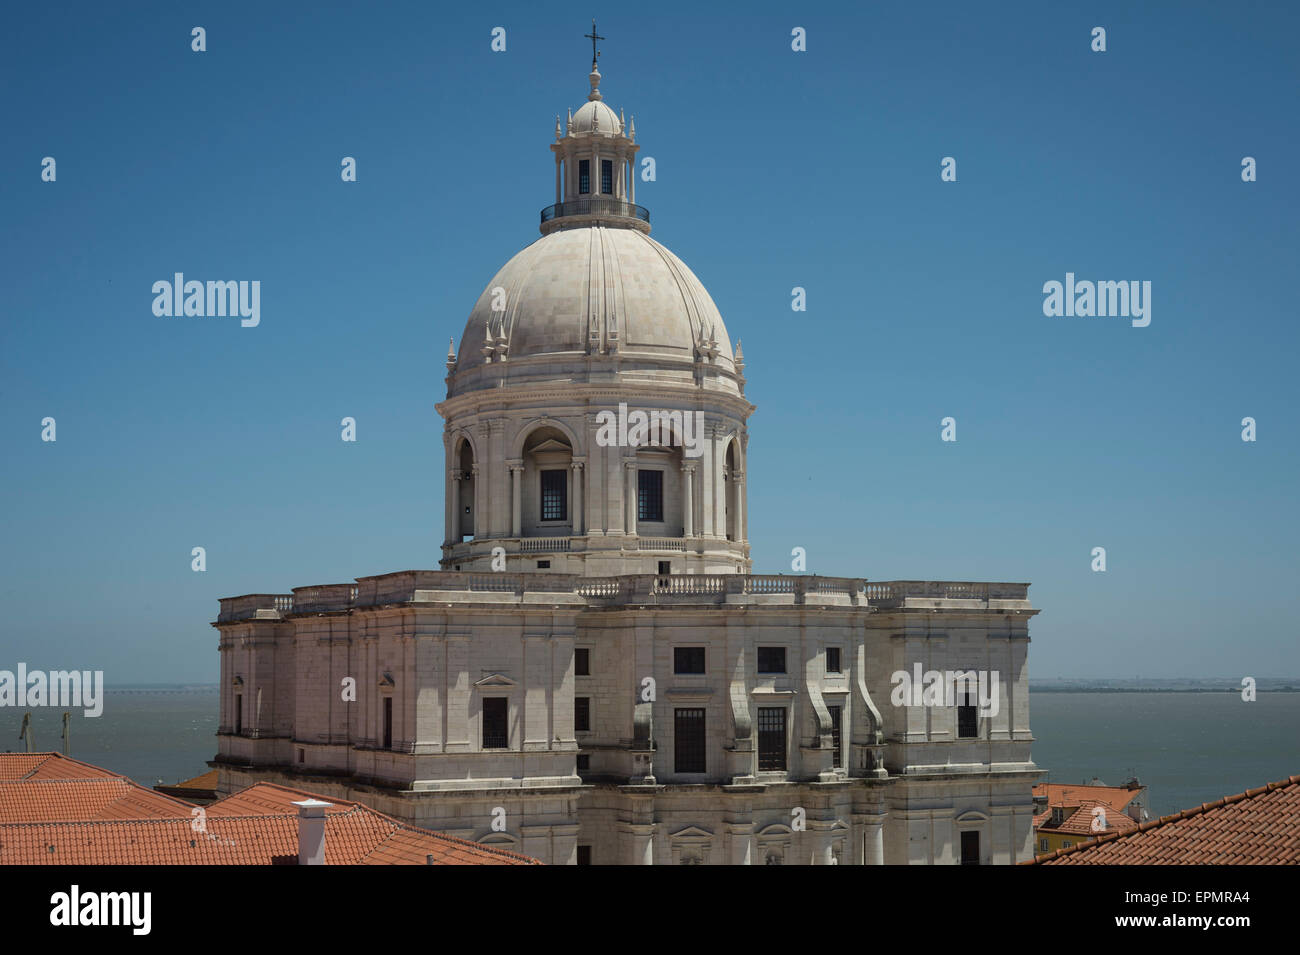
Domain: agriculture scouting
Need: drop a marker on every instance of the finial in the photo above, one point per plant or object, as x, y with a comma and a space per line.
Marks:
570, 126
622, 124
593, 36
740, 355
632, 133
559, 133
451, 354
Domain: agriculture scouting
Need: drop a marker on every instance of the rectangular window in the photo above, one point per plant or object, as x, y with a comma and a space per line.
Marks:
970, 848
771, 659
837, 722
239, 711
771, 738
607, 176
665, 568
582, 662
688, 741
584, 855
582, 714
1042, 845
388, 722
496, 730
584, 762
688, 659
584, 177
967, 717
650, 501
555, 495
832, 659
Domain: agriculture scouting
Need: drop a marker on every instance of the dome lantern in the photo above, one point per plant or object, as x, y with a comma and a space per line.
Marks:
595, 166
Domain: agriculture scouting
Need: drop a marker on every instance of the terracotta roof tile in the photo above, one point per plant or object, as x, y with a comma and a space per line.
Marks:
60, 811
1258, 827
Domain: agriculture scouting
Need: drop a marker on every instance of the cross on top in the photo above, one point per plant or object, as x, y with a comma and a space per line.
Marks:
593, 36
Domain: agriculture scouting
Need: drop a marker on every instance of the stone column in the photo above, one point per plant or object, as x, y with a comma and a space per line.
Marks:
480, 529
738, 479
643, 844
516, 505
629, 524
453, 498
578, 522
557, 178
688, 500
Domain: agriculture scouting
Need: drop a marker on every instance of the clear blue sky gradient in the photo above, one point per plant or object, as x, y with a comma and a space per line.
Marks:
775, 169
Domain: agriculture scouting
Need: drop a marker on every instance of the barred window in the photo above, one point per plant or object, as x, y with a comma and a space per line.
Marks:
771, 738
582, 713
688, 740
607, 176
832, 659
555, 497
496, 731
584, 176
650, 503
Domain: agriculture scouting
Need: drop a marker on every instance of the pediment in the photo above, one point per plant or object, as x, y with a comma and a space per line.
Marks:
552, 444
970, 817
387, 680
775, 829
691, 832
496, 680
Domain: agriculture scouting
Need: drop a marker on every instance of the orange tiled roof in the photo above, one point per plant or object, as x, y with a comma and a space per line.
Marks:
60, 811
206, 781
1080, 821
1258, 827
1063, 794
82, 800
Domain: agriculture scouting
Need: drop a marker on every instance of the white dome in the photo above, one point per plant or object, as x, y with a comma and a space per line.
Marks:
597, 291
595, 116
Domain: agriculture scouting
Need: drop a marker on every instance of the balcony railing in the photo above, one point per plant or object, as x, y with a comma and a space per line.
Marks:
416, 585
596, 207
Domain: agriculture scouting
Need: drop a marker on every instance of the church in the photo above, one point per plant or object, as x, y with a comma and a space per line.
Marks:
594, 674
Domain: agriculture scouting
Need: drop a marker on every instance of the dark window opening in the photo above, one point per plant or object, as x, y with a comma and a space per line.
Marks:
688, 659
239, 713
388, 722
837, 721
584, 855
582, 713
582, 662
970, 848
967, 717
496, 731
555, 504
771, 738
665, 568
607, 176
543, 565
688, 741
832, 659
771, 659
584, 176
584, 762
650, 500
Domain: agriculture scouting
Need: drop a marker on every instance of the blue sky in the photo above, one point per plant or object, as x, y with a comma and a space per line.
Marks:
775, 169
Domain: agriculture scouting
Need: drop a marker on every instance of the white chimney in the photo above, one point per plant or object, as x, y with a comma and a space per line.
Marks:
311, 831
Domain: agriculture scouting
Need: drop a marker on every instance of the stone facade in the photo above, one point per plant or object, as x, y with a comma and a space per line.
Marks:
594, 674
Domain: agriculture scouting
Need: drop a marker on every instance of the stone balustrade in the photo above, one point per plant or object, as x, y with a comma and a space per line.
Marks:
402, 587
